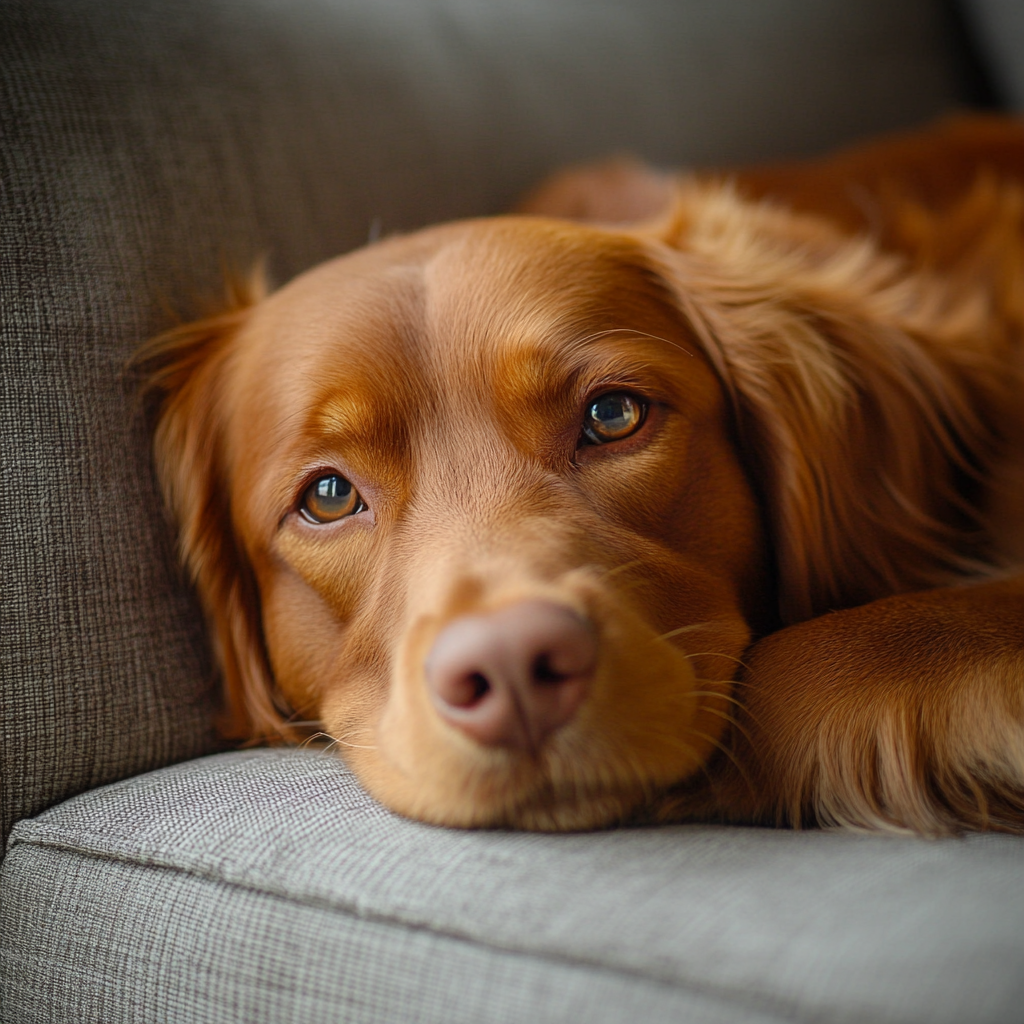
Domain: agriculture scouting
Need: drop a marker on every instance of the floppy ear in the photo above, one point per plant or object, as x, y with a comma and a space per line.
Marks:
189, 450
855, 382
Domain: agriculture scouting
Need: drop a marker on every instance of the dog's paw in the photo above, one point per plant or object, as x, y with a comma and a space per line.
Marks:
906, 714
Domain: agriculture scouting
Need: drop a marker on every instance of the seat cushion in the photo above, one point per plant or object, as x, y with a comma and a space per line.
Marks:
147, 144
265, 886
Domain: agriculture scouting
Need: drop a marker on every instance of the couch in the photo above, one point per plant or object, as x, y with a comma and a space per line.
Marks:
151, 874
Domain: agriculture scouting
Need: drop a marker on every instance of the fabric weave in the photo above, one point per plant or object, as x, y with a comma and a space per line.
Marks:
266, 886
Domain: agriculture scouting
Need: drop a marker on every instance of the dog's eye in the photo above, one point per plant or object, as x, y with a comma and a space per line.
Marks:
329, 498
612, 417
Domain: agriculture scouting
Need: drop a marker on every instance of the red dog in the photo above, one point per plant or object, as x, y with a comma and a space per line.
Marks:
552, 525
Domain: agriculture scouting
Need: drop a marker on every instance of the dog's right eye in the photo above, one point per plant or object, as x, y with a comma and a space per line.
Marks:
612, 417
329, 498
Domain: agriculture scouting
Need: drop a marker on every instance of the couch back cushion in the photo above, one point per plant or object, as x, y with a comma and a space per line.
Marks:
149, 143
998, 28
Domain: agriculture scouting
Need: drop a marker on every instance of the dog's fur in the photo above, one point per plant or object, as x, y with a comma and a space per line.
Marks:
802, 572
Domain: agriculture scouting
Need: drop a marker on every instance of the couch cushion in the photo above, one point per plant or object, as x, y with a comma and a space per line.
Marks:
999, 26
264, 886
147, 143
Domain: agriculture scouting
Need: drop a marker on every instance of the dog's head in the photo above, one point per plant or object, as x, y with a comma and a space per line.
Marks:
499, 504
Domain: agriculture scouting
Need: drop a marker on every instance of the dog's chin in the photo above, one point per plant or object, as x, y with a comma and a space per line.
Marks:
653, 716
529, 800
604, 769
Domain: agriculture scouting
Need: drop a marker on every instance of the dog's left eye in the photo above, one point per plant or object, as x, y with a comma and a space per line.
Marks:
330, 498
612, 417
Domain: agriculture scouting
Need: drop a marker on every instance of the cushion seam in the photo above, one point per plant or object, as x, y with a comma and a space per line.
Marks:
763, 1002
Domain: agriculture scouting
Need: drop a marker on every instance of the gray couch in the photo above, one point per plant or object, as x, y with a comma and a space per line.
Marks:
150, 876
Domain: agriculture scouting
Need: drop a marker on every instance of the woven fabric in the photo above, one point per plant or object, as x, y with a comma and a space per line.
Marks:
146, 144
265, 886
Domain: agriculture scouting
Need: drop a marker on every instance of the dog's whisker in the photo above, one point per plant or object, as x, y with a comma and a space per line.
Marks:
355, 746
731, 682
716, 654
726, 717
729, 754
719, 696
689, 655
624, 567
730, 699
710, 623
638, 333
342, 741
310, 740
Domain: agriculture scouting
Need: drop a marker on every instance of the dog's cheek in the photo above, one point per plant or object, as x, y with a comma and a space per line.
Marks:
303, 637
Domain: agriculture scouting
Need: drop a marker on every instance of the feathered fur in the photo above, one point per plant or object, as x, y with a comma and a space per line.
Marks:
803, 568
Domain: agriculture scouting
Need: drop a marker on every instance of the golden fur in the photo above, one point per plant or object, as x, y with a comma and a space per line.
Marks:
802, 570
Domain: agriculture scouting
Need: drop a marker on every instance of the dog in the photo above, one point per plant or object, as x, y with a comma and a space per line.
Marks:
668, 497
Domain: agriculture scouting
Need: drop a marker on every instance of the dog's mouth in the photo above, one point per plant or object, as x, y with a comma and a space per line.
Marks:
540, 714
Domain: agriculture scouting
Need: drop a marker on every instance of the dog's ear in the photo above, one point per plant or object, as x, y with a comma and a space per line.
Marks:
854, 381
186, 366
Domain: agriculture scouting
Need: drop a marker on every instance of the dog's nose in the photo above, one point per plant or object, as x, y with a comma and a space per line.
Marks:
512, 677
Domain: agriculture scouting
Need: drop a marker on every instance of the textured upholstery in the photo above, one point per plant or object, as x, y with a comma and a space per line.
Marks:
144, 143
999, 26
264, 886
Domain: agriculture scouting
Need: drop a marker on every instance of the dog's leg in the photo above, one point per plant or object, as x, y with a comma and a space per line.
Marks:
903, 714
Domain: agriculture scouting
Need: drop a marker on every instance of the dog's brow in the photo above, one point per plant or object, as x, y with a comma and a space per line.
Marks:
563, 362
625, 332
344, 414
357, 423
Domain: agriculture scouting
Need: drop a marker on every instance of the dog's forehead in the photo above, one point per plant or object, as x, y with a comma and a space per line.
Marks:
461, 295
501, 312
517, 284
470, 338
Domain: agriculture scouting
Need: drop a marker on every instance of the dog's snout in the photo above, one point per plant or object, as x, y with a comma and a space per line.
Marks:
512, 677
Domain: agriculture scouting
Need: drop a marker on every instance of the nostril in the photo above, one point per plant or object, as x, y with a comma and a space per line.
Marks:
481, 687
513, 676
465, 690
544, 673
